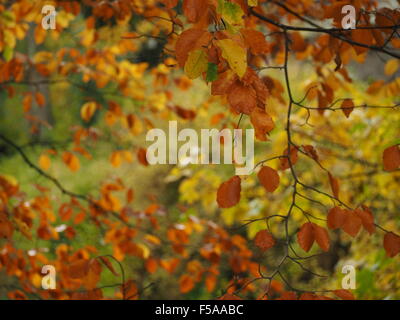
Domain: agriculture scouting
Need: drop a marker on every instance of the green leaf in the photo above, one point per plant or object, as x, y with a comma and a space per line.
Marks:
212, 72
231, 12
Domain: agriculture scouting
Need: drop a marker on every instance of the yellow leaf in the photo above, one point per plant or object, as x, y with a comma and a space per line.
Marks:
87, 110
44, 162
391, 66
196, 64
235, 55
253, 3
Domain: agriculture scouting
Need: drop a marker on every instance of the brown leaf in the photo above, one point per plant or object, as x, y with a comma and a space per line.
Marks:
269, 178
262, 123
242, 98
264, 240
391, 243
336, 218
321, 237
194, 9
78, 269
367, 219
334, 185
344, 294
391, 158
352, 223
305, 236
109, 265
255, 40
222, 85
347, 107
142, 156
188, 41
284, 162
228, 194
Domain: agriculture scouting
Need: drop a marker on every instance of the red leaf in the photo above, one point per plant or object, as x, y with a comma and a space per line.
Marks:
391, 243
242, 98
264, 240
269, 178
336, 218
321, 237
347, 107
262, 123
367, 219
228, 194
391, 158
293, 158
334, 185
352, 223
344, 294
305, 236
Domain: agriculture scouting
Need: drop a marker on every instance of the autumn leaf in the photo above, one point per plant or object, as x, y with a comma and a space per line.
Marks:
44, 162
109, 265
344, 294
224, 82
352, 223
321, 237
293, 155
196, 64
336, 218
255, 40
189, 40
391, 66
242, 98
262, 123
334, 185
269, 178
79, 269
235, 55
228, 194
391, 243
391, 158
194, 9
88, 110
142, 156
264, 240
306, 237
347, 107
186, 283
367, 219
71, 161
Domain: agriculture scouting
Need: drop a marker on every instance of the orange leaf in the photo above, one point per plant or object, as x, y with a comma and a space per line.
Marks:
255, 40
347, 107
344, 294
44, 162
109, 265
78, 269
189, 40
305, 236
186, 283
71, 161
391, 158
194, 9
284, 162
262, 123
264, 240
222, 85
228, 194
242, 98
334, 185
151, 265
40, 99
88, 110
142, 157
321, 237
269, 178
352, 223
367, 219
391, 243
336, 218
